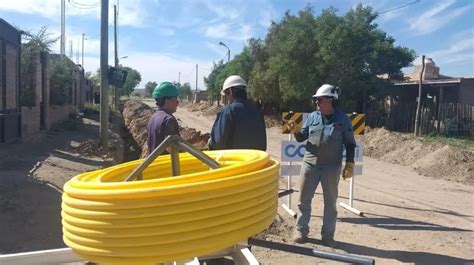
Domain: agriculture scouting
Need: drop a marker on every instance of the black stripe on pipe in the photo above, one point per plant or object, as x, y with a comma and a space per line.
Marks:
286, 192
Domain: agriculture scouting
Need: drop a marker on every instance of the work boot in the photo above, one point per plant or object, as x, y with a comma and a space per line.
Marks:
329, 242
299, 237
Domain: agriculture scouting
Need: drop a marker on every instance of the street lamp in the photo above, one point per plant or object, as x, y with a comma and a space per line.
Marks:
118, 59
228, 50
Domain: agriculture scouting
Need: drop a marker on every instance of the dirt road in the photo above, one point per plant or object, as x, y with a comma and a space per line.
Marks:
32, 175
409, 218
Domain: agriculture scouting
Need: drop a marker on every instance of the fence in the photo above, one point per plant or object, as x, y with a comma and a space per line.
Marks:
451, 119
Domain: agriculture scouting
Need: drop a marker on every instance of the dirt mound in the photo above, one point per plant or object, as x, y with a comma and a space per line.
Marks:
429, 159
137, 114
204, 107
90, 148
280, 229
272, 120
194, 136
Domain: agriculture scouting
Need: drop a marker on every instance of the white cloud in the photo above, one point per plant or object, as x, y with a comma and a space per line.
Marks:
266, 17
217, 31
91, 45
132, 12
223, 11
160, 67
215, 47
385, 17
165, 31
163, 67
234, 31
436, 17
460, 50
47, 8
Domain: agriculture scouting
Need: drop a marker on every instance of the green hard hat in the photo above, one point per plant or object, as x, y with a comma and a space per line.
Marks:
165, 89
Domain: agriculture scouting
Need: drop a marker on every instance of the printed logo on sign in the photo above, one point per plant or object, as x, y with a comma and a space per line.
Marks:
292, 151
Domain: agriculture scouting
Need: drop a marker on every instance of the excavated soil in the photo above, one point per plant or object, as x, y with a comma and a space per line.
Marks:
136, 116
429, 159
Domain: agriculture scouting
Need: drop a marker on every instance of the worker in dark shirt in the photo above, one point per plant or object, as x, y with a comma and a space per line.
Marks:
163, 123
240, 124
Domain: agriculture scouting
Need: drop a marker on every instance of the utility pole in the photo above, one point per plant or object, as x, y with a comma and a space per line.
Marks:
196, 93
82, 62
179, 78
420, 87
104, 82
70, 50
197, 78
77, 52
63, 25
116, 56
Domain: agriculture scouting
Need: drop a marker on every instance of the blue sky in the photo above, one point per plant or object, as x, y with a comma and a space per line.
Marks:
164, 37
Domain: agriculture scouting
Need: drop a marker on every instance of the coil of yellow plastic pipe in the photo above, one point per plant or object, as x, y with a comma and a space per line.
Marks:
163, 218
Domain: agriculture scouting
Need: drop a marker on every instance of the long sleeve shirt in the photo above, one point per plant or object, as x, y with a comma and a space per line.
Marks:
326, 137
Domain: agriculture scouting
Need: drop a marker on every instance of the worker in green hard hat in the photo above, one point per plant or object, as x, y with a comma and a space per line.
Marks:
163, 123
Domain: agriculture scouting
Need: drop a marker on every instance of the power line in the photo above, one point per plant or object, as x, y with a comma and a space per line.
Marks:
81, 4
399, 7
84, 8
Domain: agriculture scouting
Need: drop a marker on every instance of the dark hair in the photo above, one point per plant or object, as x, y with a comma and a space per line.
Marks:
160, 102
239, 92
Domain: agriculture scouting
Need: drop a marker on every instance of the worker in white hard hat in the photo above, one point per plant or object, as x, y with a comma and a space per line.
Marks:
240, 124
327, 130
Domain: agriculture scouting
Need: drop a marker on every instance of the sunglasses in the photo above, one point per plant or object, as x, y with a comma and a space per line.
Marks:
322, 98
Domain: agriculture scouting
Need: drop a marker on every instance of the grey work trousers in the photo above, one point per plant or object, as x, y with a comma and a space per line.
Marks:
310, 177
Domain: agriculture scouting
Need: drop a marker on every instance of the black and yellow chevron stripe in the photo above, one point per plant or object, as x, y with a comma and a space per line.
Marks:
357, 120
296, 117
358, 123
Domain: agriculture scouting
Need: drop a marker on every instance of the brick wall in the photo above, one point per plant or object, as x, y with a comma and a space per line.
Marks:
30, 120
59, 113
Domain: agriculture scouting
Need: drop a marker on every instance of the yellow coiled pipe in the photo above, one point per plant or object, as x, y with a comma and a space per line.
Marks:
163, 218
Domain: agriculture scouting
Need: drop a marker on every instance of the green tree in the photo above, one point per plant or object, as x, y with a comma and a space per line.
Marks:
303, 51
133, 79
61, 78
94, 77
33, 45
184, 89
212, 86
354, 52
149, 87
293, 51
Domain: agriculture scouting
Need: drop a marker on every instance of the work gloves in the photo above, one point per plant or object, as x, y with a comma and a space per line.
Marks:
294, 128
348, 171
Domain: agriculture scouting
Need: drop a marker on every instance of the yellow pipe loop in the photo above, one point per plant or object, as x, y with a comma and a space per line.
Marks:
163, 218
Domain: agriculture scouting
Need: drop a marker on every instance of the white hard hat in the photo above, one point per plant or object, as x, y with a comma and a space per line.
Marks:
231, 81
327, 91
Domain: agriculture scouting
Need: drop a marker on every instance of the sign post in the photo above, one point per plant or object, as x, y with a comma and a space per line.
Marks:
287, 207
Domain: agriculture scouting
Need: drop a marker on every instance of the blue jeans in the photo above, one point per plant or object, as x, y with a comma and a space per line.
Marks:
310, 177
